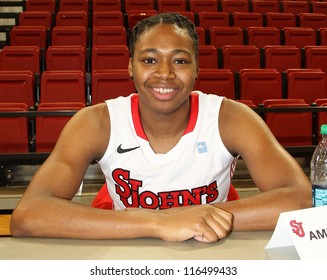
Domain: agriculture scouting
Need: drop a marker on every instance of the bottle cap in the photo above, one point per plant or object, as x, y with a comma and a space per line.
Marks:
323, 129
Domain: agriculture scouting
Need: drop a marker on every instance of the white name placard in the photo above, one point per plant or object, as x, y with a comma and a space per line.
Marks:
304, 229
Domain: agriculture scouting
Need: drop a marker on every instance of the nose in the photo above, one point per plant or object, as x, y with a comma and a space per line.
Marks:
165, 70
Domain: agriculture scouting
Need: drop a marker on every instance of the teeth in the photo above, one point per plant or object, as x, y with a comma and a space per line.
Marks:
163, 90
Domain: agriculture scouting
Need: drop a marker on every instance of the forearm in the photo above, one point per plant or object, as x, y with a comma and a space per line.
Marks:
55, 217
261, 212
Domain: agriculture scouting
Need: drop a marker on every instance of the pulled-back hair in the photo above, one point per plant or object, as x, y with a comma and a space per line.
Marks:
164, 18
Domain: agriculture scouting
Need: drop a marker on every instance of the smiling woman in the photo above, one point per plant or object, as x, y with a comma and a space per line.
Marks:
168, 151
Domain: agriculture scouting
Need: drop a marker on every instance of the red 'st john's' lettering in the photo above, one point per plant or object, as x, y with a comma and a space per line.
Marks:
128, 190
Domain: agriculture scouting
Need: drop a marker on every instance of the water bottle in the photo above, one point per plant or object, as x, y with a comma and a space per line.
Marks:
318, 175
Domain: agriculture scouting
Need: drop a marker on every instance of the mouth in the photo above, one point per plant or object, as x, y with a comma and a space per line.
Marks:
163, 91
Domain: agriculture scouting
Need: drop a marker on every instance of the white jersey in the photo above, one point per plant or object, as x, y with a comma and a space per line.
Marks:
197, 170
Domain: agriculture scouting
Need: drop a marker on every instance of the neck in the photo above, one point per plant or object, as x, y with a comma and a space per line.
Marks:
164, 130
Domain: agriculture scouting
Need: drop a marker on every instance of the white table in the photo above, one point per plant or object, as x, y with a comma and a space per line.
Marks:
238, 246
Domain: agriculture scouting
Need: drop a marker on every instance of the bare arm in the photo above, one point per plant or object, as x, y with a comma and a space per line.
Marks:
283, 184
46, 209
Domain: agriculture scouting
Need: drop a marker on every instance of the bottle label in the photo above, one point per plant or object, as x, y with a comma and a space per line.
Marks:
319, 196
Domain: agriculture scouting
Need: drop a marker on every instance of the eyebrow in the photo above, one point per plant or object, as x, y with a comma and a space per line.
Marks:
153, 50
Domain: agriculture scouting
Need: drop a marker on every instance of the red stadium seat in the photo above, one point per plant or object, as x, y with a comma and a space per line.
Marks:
262, 36
110, 57
14, 130
319, 7
307, 84
62, 86
74, 5
35, 18
290, 128
282, 58
107, 18
143, 5
313, 20
41, 5
171, 5
190, 15
216, 81
264, 6
17, 87
229, 35
111, 83
208, 56
241, 57
300, 36
209, 19
230, 6
134, 16
295, 7
66, 58
28, 36
72, 18
197, 6
316, 57
260, 84
109, 35
280, 20
48, 128
20, 58
69, 35
247, 19
106, 5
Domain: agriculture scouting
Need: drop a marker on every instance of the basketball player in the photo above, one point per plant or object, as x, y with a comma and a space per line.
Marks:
168, 154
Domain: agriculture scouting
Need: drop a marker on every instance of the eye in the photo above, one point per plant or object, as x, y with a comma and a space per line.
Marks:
180, 61
149, 61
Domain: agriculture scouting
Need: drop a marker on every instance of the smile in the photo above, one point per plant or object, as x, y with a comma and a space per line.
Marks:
163, 90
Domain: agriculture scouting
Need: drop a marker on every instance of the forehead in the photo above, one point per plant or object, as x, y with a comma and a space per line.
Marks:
164, 36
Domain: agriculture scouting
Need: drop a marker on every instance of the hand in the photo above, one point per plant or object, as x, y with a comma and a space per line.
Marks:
205, 223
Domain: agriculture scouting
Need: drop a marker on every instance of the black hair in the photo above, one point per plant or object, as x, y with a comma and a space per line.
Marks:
164, 18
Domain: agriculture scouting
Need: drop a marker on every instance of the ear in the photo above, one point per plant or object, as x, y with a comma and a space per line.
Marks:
130, 67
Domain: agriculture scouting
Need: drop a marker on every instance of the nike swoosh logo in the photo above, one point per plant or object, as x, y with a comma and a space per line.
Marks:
120, 150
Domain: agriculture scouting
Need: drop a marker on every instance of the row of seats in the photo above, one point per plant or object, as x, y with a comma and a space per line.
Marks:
195, 6
260, 84
281, 58
203, 18
233, 57
72, 86
217, 36
21, 134
63, 86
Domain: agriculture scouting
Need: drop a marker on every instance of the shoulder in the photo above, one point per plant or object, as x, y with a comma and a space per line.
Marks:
238, 122
88, 130
94, 112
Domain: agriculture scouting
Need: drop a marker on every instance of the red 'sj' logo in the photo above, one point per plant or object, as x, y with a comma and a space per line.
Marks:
297, 228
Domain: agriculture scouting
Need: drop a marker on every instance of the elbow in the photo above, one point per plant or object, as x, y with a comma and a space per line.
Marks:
20, 224
305, 200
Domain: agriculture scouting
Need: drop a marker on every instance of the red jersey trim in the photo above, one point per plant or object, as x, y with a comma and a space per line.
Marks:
194, 110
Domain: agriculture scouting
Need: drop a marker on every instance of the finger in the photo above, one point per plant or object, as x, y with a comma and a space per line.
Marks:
207, 230
219, 226
224, 218
215, 226
207, 236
